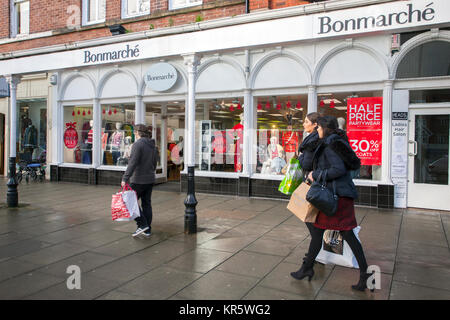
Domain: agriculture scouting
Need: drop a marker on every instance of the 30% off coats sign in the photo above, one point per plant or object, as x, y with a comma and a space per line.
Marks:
365, 127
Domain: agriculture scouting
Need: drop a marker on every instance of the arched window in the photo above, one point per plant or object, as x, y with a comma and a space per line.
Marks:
431, 59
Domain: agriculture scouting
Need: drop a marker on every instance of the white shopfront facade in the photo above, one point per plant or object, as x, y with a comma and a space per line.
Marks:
301, 60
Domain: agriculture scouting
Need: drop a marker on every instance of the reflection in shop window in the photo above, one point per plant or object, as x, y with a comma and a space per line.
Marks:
78, 134
335, 104
32, 130
279, 132
117, 135
220, 135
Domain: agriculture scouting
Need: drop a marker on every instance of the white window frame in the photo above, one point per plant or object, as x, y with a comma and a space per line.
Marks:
125, 11
85, 18
15, 18
187, 5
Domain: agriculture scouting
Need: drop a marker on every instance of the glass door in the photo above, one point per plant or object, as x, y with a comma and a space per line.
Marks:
428, 151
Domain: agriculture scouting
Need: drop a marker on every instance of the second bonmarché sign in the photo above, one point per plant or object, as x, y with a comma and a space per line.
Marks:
161, 77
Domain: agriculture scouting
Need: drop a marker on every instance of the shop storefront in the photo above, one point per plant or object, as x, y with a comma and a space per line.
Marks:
252, 95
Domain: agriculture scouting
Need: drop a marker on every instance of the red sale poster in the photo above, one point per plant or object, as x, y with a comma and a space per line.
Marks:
364, 128
367, 146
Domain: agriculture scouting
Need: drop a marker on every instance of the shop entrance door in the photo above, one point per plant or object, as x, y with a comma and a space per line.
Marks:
428, 151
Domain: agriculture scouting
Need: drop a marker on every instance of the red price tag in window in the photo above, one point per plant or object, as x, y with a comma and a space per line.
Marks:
367, 146
71, 135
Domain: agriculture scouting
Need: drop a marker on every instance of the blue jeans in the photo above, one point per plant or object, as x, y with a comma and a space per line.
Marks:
144, 192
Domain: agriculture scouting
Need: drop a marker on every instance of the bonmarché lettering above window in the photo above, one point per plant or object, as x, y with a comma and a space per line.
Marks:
410, 15
126, 53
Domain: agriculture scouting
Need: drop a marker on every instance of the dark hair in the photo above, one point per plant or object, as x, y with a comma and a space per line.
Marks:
313, 116
329, 125
143, 130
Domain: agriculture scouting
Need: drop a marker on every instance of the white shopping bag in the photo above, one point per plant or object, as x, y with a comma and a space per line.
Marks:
130, 199
337, 251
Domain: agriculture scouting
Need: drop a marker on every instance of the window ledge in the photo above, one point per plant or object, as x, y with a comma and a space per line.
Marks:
24, 37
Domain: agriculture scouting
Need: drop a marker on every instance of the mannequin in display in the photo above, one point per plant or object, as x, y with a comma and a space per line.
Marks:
117, 142
238, 137
87, 156
218, 147
30, 138
341, 123
290, 141
276, 158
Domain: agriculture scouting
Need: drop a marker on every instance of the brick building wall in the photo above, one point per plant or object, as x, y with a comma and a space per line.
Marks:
53, 16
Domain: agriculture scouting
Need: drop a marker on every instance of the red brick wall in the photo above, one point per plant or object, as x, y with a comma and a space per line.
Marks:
48, 15
275, 4
4, 18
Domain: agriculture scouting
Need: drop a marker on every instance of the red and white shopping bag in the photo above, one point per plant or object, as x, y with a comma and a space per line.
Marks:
124, 205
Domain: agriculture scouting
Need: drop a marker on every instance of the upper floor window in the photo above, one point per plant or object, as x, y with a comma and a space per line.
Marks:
178, 4
94, 11
134, 8
20, 17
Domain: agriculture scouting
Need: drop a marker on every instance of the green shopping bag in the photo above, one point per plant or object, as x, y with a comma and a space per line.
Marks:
292, 179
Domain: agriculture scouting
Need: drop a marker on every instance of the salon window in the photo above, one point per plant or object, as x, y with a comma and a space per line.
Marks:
117, 134
78, 134
279, 132
336, 104
219, 135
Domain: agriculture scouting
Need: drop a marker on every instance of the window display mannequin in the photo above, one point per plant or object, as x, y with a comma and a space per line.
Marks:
238, 137
341, 123
218, 147
30, 138
87, 155
116, 142
290, 141
276, 158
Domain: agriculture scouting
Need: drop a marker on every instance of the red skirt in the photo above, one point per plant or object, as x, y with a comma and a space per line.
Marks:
344, 219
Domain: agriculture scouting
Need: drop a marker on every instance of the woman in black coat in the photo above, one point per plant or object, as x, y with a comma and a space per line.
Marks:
307, 148
333, 160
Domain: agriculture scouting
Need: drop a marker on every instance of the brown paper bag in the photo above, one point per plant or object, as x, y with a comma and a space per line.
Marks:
298, 205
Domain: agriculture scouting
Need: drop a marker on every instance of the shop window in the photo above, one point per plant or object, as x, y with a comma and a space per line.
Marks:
429, 96
365, 129
117, 135
174, 138
20, 18
178, 4
94, 11
134, 8
32, 130
431, 59
219, 135
279, 131
78, 134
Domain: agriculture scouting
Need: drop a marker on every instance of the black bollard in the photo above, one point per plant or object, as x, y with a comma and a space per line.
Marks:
190, 213
12, 196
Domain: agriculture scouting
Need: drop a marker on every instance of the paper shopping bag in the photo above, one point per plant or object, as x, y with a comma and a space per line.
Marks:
298, 205
335, 250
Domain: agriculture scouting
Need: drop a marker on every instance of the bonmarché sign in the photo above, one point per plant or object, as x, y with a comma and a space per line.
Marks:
161, 77
114, 55
411, 14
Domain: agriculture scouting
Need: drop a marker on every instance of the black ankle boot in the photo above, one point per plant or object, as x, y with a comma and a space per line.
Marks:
362, 283
303, 272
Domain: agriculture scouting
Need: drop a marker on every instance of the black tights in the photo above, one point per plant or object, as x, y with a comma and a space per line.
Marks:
316, 244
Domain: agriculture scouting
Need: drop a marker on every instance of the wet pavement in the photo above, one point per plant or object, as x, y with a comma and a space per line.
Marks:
244, 249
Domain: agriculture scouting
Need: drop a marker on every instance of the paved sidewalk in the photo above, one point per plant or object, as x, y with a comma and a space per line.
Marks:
245, 249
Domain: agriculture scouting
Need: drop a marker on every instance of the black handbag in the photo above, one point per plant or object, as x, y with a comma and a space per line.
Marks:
321, 197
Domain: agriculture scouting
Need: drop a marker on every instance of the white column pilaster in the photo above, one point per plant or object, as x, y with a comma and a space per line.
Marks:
164, 138
13, 81
192, 61
139, 115
312, 99
387, 131
248, 133
97, 133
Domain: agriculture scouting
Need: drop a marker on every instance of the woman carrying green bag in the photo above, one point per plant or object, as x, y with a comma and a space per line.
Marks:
292, 179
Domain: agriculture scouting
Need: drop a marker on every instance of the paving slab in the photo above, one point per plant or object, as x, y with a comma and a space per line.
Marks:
262, 293
200, 260
407, 291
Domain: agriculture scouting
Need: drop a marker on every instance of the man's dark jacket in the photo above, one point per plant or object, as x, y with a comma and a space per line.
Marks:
142, 164
334, 158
